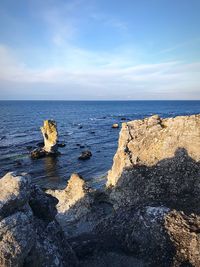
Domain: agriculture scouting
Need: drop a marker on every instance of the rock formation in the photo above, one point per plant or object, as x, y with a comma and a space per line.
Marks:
50, 135
115, 125
148, 214
29, 235
80, 208
148, 141
85, 155
157, 163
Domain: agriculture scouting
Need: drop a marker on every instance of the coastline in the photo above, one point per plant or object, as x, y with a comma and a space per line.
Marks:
147, 215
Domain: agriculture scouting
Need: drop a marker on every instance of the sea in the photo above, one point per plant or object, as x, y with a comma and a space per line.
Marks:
82, 125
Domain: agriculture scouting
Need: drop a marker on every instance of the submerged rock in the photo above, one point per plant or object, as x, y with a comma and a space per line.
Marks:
85, 155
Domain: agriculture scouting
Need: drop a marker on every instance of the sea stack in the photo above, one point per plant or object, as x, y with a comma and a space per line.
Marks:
50, 135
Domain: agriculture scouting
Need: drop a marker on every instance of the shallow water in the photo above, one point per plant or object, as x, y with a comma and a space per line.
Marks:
87, 123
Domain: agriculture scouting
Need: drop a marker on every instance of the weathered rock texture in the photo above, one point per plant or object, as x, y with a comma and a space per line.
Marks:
29, 235
148, 215
50, 135
148, 141
158, 235
80, 208
157, 163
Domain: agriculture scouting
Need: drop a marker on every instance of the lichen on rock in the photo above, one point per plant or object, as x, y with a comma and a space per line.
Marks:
148, 141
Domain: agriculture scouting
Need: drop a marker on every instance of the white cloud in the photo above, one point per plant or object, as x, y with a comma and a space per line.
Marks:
167, 80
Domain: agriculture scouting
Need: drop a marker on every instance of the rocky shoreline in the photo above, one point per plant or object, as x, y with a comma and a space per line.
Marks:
148, 214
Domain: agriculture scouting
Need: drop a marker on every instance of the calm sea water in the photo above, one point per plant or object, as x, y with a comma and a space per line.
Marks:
87, 123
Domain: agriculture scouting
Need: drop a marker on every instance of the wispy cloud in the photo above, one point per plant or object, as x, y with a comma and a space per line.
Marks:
179, 45
148, 81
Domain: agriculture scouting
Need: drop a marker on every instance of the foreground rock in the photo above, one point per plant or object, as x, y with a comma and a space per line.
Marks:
147, 216
157, 164
80, 208
50, 135
158, 235
29, 235
152, 198
148, 141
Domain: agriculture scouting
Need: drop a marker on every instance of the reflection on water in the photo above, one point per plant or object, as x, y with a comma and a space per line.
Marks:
51, 168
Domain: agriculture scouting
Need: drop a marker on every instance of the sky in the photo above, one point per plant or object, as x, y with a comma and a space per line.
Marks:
99, 49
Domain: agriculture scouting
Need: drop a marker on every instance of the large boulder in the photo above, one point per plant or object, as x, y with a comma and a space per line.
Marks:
29, 234
158, 235
14, 193
157, 164
16, 239
147, 142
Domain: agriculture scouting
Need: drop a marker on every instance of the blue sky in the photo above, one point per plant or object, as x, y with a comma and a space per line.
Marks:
98, 49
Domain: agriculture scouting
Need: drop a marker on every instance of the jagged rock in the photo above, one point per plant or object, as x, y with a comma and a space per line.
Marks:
74, 202
158, 235
43, 205
16, 239
115, 125
85, 155
50, 135
51, 248
157, 164
80, 208
29, 235
14, 193
148, 141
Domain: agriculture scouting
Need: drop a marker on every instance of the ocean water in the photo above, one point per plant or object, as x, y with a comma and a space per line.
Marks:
86, 123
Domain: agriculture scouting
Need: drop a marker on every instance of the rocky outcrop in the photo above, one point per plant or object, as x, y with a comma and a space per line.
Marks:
50, 135
148, 141
148, 215
29, 235
158, 235
157, 164
80, 208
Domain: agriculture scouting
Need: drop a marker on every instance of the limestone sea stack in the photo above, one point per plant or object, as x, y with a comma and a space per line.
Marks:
50, 135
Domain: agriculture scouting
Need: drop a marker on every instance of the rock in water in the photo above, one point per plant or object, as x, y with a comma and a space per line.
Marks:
115, 125
85, 155
50, 134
